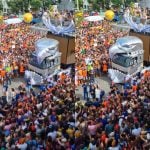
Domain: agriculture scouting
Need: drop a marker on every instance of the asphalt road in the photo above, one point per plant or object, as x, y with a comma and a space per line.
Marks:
103, 82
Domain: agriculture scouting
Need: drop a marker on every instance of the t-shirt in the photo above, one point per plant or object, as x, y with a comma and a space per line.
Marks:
97, 92
136, 132
113, 148
22, 146
92, 147
52, 135
109, 128
92, 129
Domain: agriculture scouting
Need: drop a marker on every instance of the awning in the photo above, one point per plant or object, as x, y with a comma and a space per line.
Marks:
94, 18
13, 21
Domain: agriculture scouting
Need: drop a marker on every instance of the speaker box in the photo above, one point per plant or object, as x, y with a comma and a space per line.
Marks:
145, 37
66, 47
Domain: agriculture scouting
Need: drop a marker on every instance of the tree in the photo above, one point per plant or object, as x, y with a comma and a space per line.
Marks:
117, 3
47, 3
79, 2
105, 4
35, 4
13, 6
18, 5
95, 4
1, 6
128, 2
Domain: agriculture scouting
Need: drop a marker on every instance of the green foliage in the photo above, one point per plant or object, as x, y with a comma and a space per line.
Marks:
117, 3
18, 5
105, 4
47, 3
129, 2
35, 4
1, 13
80, 3
15, 5
95, 6
23, 5
1, 6
132, 4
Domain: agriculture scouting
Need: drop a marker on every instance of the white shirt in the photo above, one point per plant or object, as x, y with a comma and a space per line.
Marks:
120, 121
92, 147
52, 135
13, 94
114, 148
22, 146
127, 77
136, 132
97, 93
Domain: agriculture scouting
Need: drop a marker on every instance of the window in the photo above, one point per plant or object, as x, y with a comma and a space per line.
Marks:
122, 60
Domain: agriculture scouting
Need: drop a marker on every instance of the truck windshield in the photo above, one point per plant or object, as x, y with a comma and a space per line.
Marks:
46, 63
123, 60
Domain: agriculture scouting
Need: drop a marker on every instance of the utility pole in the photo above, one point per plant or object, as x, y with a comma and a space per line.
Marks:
43, 5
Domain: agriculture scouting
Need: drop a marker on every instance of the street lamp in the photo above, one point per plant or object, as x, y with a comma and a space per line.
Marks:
77, 4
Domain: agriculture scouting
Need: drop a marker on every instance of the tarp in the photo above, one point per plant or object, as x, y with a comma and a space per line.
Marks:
13, 21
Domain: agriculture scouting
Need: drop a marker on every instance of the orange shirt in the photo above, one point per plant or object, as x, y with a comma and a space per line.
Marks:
3, 73
84, 73
105, 67
105, 103
22, 68
134, 88
80, 73
63, 76
146, 74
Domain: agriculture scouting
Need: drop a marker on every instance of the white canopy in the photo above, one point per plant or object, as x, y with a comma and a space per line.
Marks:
94, 18
13, 21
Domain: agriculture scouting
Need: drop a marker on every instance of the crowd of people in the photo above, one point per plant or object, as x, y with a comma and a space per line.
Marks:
119, 121
16, 44
138, 11
91, 52
40, 121
54, 118
37, 118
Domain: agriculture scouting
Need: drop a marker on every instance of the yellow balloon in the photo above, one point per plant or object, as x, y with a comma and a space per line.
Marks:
27, 17
109, 15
